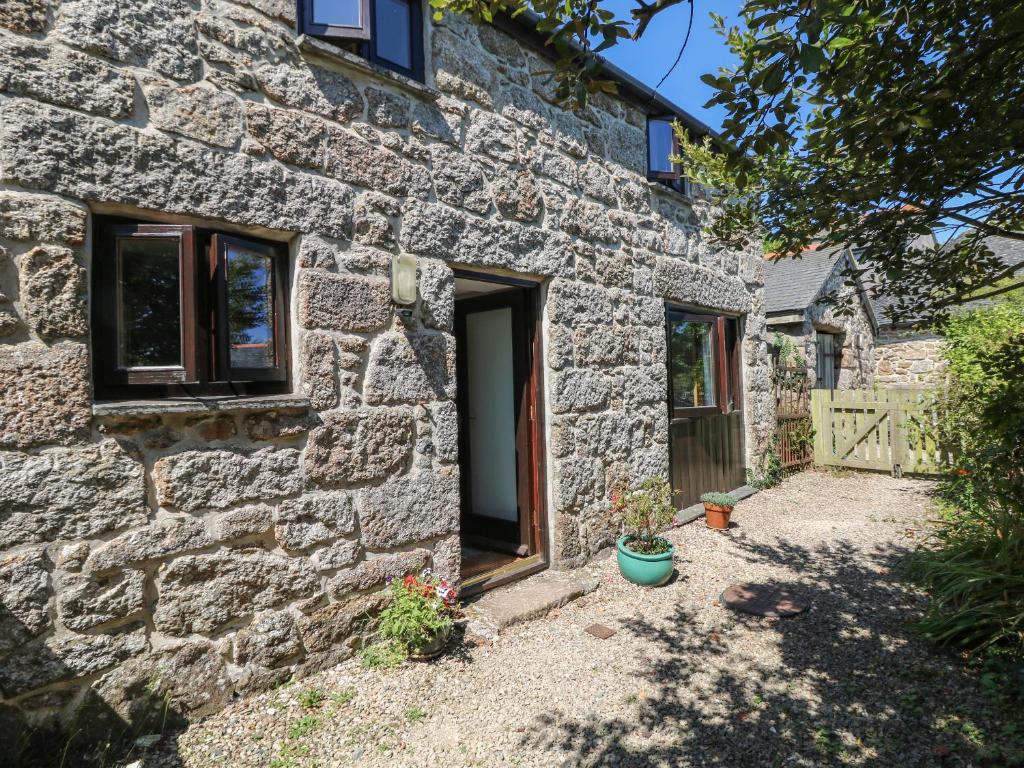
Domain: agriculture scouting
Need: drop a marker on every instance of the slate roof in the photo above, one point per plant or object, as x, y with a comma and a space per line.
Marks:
792, 284
1011, 252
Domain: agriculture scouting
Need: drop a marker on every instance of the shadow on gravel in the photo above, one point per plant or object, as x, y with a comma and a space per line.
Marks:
855, 686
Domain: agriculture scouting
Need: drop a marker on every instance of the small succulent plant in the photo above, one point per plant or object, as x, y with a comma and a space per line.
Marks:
719, 499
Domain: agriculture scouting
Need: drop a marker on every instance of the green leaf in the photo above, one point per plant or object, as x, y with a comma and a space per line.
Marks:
840, 42
811, 58
773, 80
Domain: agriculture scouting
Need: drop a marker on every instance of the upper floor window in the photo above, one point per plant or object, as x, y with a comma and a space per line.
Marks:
179, 310
662, 144
388, 32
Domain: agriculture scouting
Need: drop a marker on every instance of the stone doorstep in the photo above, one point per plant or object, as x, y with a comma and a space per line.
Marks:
695, 511
528, 599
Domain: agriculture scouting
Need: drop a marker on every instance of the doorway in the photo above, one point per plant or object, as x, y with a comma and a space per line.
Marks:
500, 435
705, 404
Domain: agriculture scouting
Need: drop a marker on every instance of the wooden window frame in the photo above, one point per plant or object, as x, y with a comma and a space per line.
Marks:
106, 295
724, 364
733, 363
367, 38
672, 179
205, 368
219, 310
335, 31
836, 359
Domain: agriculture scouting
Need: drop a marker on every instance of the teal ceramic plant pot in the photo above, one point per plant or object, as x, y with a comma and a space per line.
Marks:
645, 570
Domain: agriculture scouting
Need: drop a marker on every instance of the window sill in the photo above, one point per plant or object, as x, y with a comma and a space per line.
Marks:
657, 186
188, 405
317, 47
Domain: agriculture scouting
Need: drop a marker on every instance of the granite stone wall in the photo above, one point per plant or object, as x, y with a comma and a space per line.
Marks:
197, 552
909, 358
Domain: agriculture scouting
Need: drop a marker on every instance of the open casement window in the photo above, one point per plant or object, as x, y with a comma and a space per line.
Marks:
180, 311
247, 318
662, 144
703, 364
387, 32
339, 19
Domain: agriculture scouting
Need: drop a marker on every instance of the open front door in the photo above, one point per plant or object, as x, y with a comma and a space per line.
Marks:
499, 433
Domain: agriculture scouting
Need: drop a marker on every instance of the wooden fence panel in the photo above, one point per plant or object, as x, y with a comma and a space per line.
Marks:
891, 430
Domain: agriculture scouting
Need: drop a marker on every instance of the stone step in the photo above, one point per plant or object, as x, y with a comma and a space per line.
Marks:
528, 599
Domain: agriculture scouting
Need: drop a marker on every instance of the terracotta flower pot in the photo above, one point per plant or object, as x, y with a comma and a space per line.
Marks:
717, 516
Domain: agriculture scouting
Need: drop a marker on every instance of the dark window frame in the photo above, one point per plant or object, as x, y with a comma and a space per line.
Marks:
205, 368
672, 179
219, 310
338, 32
725, 362
366, 39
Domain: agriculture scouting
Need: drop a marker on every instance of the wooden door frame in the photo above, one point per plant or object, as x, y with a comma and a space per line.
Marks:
727, 367
524, 297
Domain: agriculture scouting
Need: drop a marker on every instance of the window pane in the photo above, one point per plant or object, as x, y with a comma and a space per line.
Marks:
150, 302
659, 146
394, 32
693, 383
250, 307
340, 13
733, 362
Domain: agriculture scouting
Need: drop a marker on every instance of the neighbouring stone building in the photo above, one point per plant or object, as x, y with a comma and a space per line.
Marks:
909, 354
908, 357
839, 347
201, 183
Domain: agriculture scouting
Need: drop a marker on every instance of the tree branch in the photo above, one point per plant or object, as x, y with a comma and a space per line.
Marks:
978, 224
959, 299
644, 13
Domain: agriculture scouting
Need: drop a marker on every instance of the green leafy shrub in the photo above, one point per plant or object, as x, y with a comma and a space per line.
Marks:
719, 499
974, 569
421, 608
769, 472
644, 512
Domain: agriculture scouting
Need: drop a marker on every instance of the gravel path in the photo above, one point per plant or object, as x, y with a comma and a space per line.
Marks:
683, 682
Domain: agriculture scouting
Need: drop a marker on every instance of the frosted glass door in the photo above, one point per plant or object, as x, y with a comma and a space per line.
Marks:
491, 410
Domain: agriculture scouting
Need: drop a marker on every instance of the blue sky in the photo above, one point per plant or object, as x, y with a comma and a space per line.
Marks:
650, 58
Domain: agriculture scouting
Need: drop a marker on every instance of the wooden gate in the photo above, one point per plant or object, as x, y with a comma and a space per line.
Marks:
793, 416
893, 430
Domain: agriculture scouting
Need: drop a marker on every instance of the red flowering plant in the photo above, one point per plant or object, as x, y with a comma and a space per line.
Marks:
644, 511
422, 611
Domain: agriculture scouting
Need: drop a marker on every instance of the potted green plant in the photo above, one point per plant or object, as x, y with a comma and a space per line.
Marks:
419, 619
718, 508
644, 556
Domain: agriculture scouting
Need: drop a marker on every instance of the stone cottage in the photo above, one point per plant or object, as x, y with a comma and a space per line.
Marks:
300, 297
839, 347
